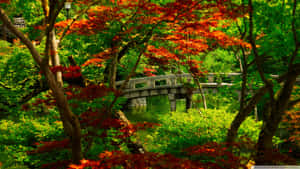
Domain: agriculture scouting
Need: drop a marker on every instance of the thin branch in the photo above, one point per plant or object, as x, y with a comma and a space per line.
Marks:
133, 70
73, 20
5, 86
294, 68
128, 77
53, 13
293, 103
39, 86
254, 100
251, 63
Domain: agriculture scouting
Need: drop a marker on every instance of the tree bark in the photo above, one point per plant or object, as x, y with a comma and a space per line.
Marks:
202, 94
242, 115
55, 57
277, 105
113, 72
134, 146
70, 121
4, 32
265, 144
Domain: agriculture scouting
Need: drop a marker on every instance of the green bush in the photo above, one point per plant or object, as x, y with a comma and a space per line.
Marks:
18, 137
180, 130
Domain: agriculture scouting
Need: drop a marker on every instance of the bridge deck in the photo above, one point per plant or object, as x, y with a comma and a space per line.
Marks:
175, 86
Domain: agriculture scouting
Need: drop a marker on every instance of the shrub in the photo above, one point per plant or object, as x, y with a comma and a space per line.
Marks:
18, 137
180, 130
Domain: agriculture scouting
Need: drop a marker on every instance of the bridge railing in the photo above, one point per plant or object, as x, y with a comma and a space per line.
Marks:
173, 80
178, 80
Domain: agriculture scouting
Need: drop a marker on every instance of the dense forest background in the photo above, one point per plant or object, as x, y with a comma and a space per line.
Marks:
62, 104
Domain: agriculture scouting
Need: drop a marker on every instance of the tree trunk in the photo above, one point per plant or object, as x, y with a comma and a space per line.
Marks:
203, 96
242, 115
113, 72
70, 121
4, 32
265, 145
196, 80
55, 57
188, 101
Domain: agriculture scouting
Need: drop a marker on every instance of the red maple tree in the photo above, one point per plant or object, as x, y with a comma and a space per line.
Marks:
166, 34
171, 32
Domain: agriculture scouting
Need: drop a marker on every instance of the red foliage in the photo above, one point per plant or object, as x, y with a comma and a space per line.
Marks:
47, 146
95, 61
4, 1
194, 68
99, 120
187, 27
274, 156
96, 22
129, 130
142, 161
57, 164
71, 72
224, 159
291, 120
148, 71
25, 107
218, 154
90, 92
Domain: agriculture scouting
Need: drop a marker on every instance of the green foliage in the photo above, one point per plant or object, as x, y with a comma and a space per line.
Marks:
18, 75
156, 106
107, 143
180, 130
220, 61
18, 137
4, 47
177, 131
215, 99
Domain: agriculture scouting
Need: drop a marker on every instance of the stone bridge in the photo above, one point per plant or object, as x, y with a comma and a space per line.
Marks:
175, 86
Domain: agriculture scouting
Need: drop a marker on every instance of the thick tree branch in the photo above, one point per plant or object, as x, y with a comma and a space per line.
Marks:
242, 115
294, 68
56, 11
50, 21
258, 58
